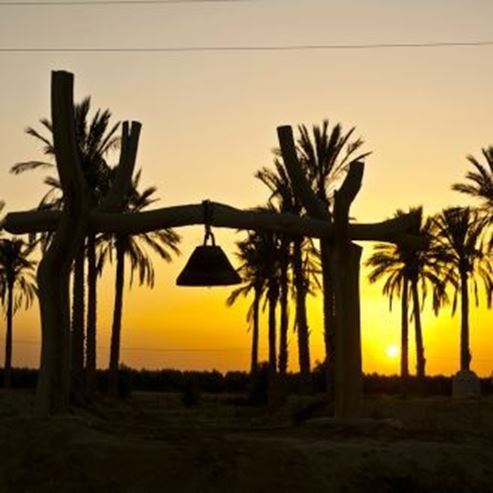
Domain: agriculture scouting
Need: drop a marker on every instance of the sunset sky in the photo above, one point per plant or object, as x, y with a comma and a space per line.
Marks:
209, 122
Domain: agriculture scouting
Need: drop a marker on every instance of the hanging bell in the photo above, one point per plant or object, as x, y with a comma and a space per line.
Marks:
208, 264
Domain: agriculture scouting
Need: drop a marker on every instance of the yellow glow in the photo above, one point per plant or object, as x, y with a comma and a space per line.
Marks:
392, 351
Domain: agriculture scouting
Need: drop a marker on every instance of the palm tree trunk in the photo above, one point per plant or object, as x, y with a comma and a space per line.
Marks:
420, 350
7, 379
255, 333
284, 322
301, 317
91, 317
275, 391
405, 330
117, 320
465, 353
77, 359
329, 316
272, 332
53, 388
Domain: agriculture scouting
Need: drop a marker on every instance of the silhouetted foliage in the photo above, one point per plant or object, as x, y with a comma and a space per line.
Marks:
408, 273
479, 182
134, 249
465, 262
95, 139
17, 288
238, 382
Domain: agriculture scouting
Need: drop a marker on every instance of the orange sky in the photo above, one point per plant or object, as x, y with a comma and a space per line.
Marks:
209, 122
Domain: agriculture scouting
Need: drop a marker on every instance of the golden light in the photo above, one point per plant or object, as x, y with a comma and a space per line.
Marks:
392, 351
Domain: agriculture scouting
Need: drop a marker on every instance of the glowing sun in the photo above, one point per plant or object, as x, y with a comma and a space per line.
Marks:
392, 351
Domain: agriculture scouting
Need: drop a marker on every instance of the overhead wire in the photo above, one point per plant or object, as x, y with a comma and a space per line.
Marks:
96, 3
260, 48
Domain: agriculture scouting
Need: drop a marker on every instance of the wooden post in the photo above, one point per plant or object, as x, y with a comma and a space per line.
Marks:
53, 390
340, 270
52, 393
316, 209
346, 257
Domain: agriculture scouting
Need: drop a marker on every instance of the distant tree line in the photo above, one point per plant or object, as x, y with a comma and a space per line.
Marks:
240, 382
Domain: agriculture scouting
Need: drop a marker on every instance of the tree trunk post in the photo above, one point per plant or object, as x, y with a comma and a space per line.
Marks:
77, 334
405, 331
346, 265
7, 375
301, 318
274, 391
329, 314
53, 389
465, 353
283, 303
255, 333
420, 349
340, 265
117, 321
348, 383
91, 317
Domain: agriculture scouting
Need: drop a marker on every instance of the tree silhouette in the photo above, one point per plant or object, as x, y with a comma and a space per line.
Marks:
252, 272
407, 271
17, 288
325, 155
263, 257
479, 182
479, 185
136, 249
457, 234
95, 138
281, 200
297, 253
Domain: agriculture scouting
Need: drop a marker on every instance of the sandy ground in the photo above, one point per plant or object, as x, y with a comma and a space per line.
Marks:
151, 443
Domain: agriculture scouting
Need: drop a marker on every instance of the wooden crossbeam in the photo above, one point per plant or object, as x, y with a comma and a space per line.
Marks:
396, 230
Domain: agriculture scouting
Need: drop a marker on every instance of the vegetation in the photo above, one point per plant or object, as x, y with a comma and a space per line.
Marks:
479, 183
464, 261
407, 271
95, 139
136, 249
17, 288
252, 271
295, 254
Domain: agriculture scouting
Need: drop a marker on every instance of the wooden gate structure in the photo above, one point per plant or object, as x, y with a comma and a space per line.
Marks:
79, 216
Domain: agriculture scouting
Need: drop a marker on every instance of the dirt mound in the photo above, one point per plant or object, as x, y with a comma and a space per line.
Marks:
152, 443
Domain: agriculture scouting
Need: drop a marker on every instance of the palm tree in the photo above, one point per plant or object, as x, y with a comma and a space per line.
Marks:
269, 245
325, 154
457, 233
406, 272
480, 182
135, 248
283, 200
17, 288
95, 140
252, 272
